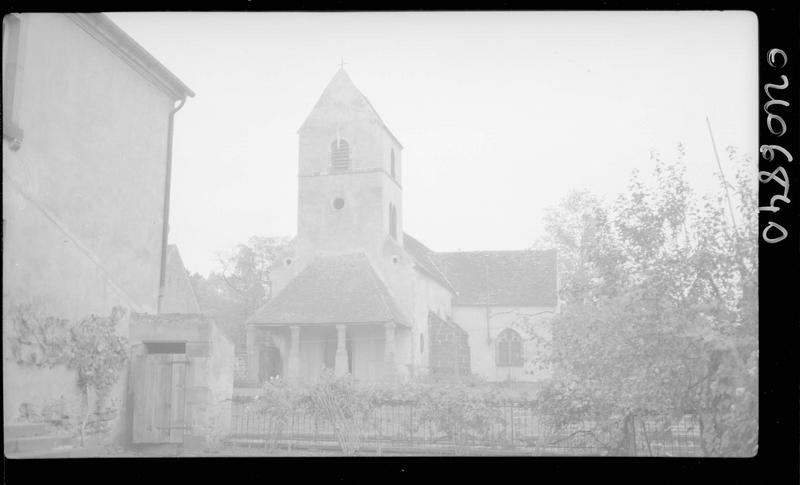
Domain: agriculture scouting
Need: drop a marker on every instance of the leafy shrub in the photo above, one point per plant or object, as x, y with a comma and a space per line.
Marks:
98, 355
276, 401
343, 403
459, 412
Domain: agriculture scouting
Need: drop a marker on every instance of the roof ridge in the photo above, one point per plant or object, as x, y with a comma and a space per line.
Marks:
424, 257
442, 273
418, 242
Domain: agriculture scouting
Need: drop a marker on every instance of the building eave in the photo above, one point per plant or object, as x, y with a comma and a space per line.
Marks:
120, 43
445, 284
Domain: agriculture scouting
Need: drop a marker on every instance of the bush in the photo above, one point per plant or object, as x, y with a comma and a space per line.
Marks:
458, 410
98, 356
276, 401
343, 403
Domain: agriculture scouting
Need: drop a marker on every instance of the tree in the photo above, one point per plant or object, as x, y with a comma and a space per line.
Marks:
588, 251
243, 285
660, 310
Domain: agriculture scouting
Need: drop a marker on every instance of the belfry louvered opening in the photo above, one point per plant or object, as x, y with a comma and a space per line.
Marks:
340, 155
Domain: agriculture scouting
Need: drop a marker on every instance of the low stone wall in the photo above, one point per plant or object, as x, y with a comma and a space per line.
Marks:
449, 347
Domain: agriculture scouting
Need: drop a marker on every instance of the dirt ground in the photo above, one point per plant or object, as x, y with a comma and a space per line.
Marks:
224, 451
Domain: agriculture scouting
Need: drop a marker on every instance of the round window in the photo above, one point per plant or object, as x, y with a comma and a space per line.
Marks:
288, 261
338, 203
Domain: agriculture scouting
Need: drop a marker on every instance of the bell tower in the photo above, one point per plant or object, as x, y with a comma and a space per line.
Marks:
349, 177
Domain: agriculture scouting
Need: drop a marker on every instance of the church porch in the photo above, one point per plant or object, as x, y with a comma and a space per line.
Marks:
302, 352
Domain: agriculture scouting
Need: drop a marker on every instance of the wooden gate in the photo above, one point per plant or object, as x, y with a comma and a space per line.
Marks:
159, 398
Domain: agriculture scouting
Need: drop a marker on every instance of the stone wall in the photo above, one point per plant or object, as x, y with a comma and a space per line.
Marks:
449, 347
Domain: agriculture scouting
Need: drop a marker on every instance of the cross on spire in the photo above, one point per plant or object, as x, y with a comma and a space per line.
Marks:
341, 64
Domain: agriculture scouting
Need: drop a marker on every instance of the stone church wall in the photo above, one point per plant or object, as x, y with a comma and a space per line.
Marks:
449, 347
473, 320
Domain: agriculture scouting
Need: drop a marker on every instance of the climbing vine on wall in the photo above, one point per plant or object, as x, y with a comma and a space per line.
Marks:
98, 356
98, 353
91, 347
38, 341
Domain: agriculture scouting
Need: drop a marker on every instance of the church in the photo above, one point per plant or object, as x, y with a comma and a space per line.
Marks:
355, 294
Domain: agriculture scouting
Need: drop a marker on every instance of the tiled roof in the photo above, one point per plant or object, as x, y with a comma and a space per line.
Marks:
514, 278
421, 253
332, 289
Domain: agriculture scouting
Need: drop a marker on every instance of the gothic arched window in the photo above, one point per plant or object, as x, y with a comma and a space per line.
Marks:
392, 221
392, 165
509, 349
340, 154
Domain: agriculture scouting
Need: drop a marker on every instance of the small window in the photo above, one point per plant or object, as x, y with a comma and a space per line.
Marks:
338, 203
394, 259
392, 165
509, 349
288, 261
340, 155
392, 221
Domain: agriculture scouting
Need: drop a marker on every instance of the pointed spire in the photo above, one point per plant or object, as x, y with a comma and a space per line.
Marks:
342, 87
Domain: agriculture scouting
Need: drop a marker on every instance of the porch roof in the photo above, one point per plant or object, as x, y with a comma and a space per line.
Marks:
332, 290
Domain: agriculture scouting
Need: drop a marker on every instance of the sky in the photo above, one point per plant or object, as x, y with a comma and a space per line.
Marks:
501, 114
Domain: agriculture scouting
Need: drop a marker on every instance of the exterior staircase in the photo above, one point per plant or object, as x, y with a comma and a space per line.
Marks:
34, 440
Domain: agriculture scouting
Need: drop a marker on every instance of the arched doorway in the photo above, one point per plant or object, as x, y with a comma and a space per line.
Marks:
270, 363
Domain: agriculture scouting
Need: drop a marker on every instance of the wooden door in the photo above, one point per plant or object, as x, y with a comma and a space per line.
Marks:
159, 398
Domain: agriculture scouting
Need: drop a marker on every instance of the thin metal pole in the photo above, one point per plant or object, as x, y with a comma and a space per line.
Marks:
722, 174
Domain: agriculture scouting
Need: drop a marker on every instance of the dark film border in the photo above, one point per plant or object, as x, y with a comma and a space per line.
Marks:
779, 329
